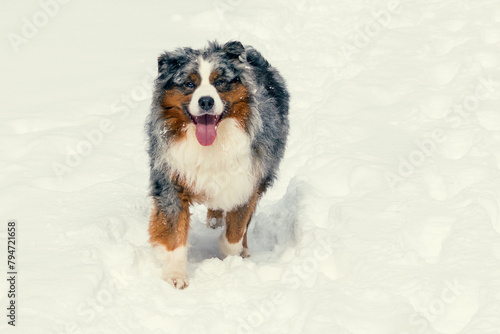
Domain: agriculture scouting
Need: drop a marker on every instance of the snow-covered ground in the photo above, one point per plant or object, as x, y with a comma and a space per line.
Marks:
386, 216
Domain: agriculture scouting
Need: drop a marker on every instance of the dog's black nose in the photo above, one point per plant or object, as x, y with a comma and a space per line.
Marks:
206, 103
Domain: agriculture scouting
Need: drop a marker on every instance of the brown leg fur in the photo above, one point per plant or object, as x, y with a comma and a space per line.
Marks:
246, 252
168, 233
170, 239
237, 222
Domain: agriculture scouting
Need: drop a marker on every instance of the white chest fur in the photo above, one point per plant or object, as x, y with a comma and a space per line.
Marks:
222, 172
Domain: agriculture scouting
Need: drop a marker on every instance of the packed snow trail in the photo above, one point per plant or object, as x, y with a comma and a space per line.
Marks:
385, 218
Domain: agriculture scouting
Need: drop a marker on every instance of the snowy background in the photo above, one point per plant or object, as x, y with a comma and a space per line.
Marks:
386, 216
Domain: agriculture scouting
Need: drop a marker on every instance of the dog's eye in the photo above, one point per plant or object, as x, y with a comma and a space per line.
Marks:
219, 82
189, 84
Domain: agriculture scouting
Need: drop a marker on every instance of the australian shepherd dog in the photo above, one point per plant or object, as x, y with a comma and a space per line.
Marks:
217, 132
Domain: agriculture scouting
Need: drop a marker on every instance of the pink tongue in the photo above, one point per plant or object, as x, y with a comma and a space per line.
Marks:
205, 129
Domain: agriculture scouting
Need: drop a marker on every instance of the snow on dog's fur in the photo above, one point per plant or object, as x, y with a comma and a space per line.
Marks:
217, 132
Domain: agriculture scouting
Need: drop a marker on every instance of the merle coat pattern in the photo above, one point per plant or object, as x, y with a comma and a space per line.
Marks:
267, 126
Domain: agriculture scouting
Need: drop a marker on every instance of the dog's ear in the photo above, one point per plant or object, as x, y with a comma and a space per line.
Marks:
162, 60
167, 62
234, 50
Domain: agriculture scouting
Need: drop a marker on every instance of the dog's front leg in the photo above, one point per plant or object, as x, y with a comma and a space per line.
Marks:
168, 235
233, 240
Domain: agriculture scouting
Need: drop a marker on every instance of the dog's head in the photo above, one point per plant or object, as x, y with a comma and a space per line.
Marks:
203, 87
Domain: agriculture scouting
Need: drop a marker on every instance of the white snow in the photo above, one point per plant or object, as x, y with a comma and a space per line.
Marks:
385, 218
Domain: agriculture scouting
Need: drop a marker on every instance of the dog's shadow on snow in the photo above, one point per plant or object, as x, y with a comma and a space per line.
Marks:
273, 224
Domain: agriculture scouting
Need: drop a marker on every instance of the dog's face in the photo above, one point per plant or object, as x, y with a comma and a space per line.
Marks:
203, 88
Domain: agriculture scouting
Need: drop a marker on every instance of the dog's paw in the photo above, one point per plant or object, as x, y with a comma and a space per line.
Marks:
176, 280
214, 222
227, 248
245, 252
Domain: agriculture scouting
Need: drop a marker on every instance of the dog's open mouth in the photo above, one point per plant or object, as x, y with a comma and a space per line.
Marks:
206, 128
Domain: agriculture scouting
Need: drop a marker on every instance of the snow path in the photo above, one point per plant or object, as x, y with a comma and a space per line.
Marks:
385, 219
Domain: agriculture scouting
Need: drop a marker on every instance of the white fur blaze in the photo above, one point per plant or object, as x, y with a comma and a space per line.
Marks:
227, 248
205, 89
173, 263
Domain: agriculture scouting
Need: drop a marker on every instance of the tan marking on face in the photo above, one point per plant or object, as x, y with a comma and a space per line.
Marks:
195, 78
237, 104
213, 76
172, 105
